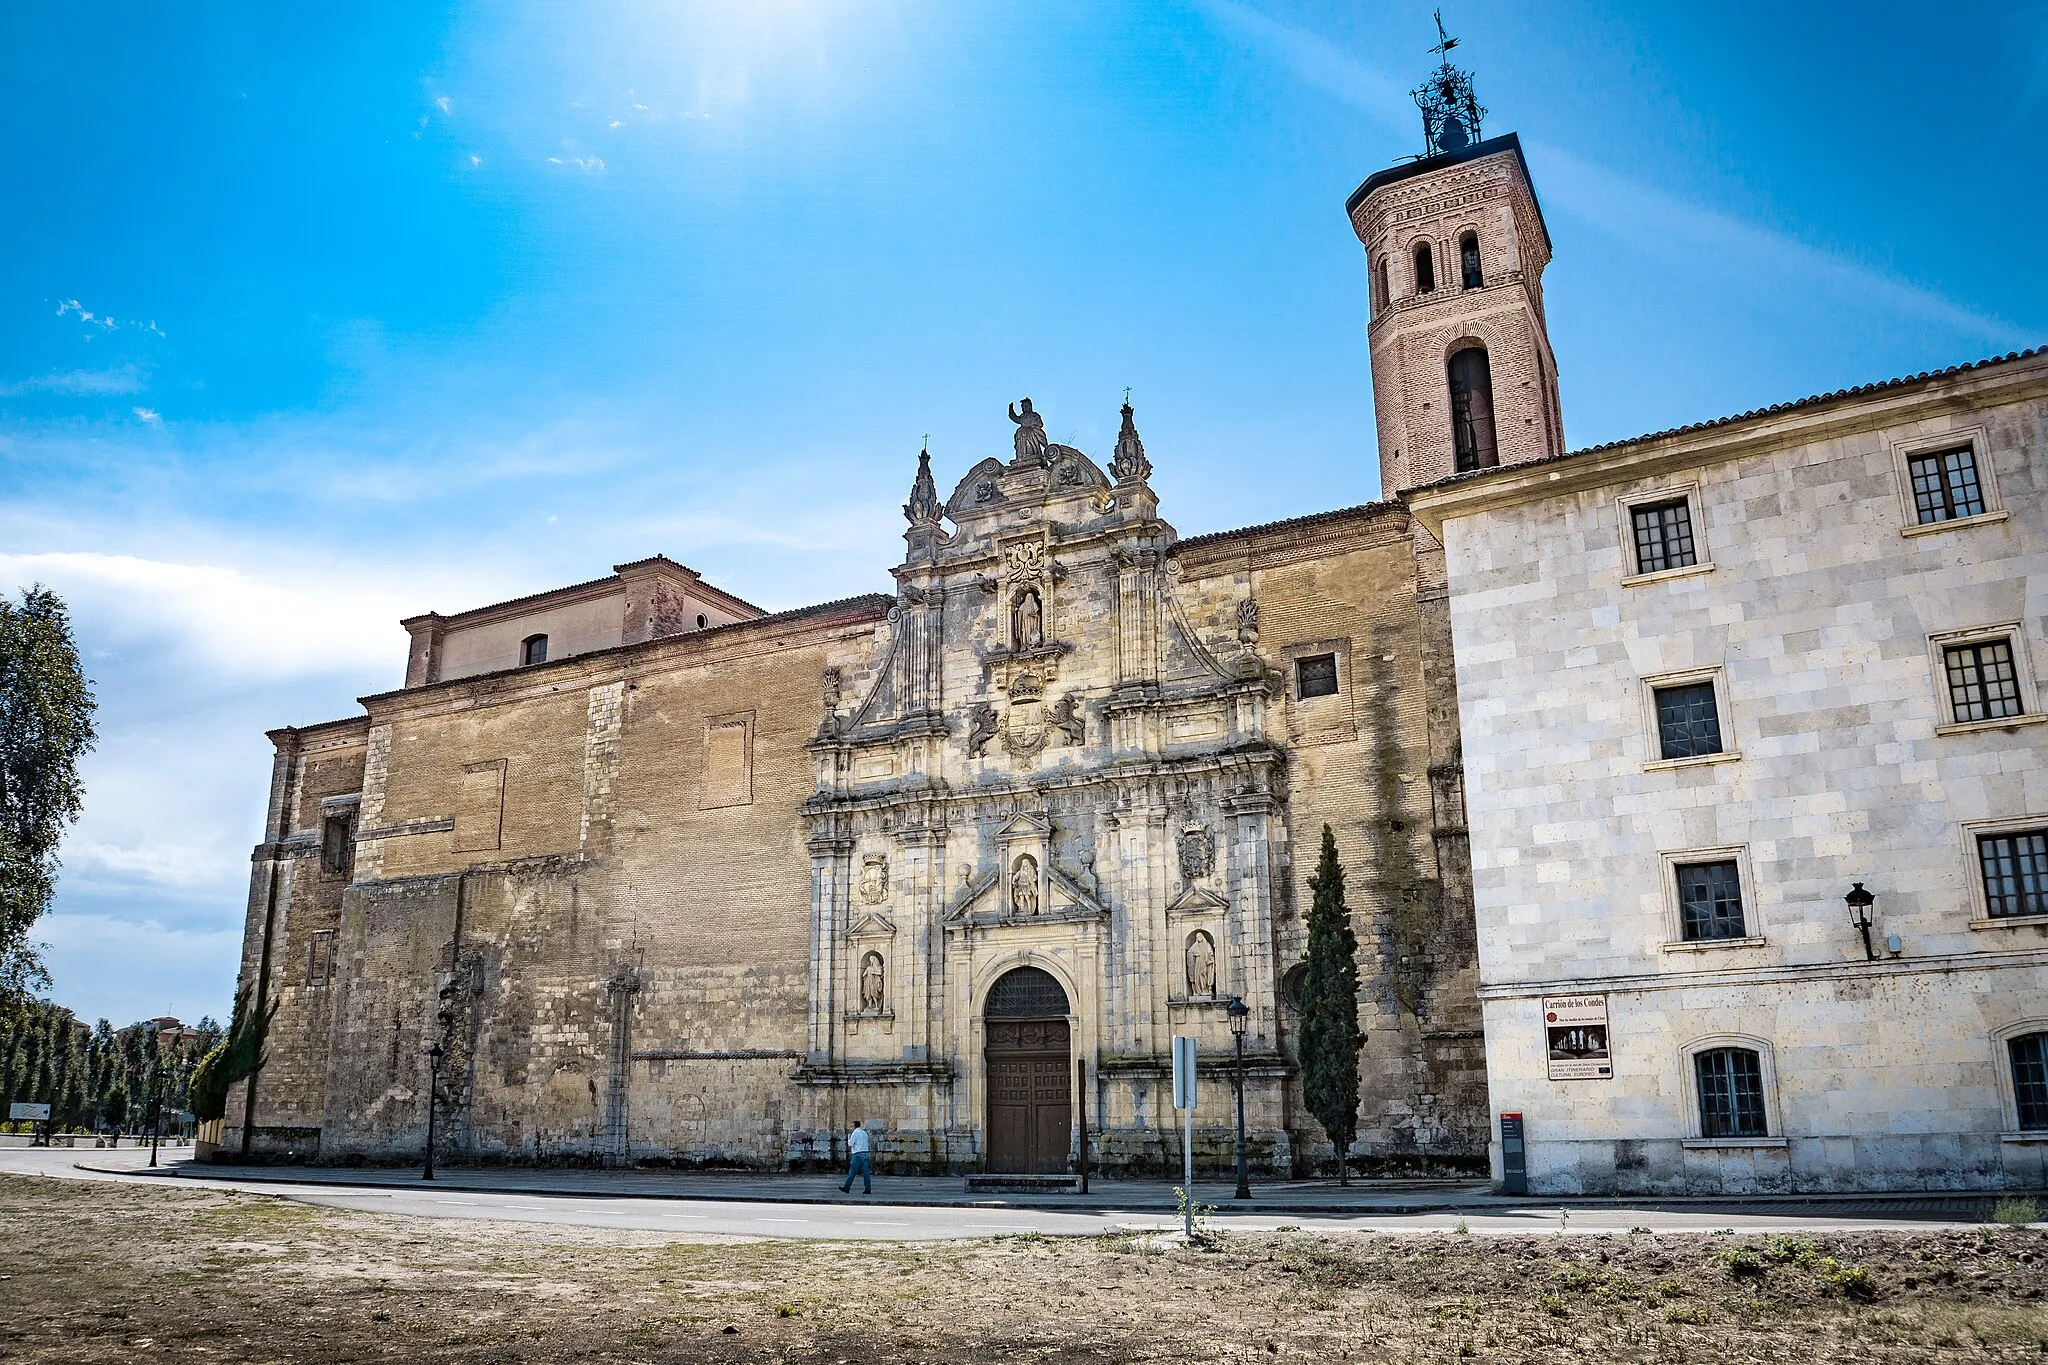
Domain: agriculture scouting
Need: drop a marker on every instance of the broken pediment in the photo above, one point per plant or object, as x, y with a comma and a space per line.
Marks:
1197, 900
872, 924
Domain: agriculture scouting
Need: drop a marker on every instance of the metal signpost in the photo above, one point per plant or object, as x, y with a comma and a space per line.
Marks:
1184, 1100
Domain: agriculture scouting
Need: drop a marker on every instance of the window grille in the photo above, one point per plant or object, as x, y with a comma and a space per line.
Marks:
1472, 433
1688, 722
2029, 1054
1664, 537
1710, 901
1731, 1081
2015, 868
1315, 676
1982, 684
1945, 485
1026, 993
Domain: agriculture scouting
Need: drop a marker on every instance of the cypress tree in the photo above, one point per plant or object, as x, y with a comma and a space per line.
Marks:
1329, 1009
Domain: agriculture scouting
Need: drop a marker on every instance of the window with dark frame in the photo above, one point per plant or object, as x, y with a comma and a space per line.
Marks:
2029, 1053
1982, 683
1710, 901
1468, 260
1425, 269
1688, 720
533, 650
337, 845
1315, 676
1383, 293
1945, 485
1664, 536
320, 957
1731, 1082
2015, 870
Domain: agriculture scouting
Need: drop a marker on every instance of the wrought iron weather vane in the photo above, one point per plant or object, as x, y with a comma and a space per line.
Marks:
1450, 113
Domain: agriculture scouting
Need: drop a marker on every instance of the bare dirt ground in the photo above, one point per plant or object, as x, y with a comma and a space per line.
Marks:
105, 1272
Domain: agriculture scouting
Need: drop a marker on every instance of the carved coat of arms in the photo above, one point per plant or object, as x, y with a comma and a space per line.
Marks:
874, 879
1197, 853
1024, 724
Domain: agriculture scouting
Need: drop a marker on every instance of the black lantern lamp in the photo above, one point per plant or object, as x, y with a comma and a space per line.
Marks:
1859, 902
434, 1056
1240, 1017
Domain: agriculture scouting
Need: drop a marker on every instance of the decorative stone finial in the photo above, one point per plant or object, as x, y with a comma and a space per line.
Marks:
1129, 465
923, 508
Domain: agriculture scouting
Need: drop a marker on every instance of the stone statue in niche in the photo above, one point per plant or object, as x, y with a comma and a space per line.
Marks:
1067, 719
1024, 885
1201, 957
981, 728
1027, 620
1031, 443
874, 879
1197, 853
872, 982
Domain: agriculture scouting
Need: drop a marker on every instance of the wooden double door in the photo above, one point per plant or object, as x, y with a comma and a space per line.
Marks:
1030, 1096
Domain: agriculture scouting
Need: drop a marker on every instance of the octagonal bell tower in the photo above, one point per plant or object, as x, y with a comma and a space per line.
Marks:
1463, 376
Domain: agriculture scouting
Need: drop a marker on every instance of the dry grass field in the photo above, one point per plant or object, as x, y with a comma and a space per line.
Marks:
107, 1272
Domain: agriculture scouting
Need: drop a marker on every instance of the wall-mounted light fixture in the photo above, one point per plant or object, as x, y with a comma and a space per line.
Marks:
1859, 902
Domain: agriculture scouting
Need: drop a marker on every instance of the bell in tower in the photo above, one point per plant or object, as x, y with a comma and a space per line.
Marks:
1463, 376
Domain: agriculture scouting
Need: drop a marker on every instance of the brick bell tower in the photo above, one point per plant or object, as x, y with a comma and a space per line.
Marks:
1462, 373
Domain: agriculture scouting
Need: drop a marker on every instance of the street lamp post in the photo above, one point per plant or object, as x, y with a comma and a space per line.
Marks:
156, 1105
434, 1055
1240, 1015
1859, 902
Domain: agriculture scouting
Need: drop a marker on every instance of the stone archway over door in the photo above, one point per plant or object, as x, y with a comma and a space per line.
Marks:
1030, 1074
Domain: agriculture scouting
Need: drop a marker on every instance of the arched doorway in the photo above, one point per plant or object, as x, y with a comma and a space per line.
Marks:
1030, 1096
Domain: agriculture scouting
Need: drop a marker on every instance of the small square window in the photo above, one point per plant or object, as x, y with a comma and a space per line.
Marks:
2015, 870
1664, 538
1945, 485
2029, 1054
1688, 721
1315, 676
1982, 682
1710, 901
1731, 1081
533, 650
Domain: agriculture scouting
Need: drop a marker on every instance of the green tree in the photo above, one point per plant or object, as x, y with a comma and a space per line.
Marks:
1329, 1009
235, 1057
46, 708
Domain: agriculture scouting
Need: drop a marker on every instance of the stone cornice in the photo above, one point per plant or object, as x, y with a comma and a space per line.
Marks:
1791, 973
1806, 423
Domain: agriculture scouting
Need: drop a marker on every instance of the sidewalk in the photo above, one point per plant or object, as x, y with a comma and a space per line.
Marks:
1378, 1197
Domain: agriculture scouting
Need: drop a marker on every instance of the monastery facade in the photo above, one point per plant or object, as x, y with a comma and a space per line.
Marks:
664, 877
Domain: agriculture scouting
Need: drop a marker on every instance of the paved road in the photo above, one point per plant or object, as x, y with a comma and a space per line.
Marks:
856, 1220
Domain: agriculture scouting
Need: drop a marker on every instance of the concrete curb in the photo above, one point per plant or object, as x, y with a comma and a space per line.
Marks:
1876, 1204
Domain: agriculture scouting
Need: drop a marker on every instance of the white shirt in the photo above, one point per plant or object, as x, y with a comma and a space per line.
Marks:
857, 1141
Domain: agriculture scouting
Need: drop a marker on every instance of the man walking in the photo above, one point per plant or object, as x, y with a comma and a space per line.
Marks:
857, 1152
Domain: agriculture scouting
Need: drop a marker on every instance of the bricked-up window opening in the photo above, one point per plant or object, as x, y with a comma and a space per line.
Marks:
1026, 993
1664, 537
1710, 901
2015, 868
1381, 294
533, 650
1945, 485
320, 957
338, 845
1315, 676
1468, 260
2029, 1054
1731, 1081
1688, 722
1472, 410
1425, 269
1982, 684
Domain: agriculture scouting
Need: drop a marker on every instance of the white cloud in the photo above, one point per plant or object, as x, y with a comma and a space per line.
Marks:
581, 163
442, 104
150, 416
77, 383
85, 314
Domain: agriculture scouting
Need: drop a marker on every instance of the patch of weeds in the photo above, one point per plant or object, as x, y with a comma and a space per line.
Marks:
1191, 1213
1686, 1315
2016, 1211
1580, 1280
1030, 1238
1782, 1249
1463, 1229
787, 1310
1671, 1289
1554, 1305
1288, 1227
1740, 1262
1849, 1281
1639, 1232
1126, 1244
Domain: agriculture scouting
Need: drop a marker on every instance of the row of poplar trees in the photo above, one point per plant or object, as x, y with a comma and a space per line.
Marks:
94, 1081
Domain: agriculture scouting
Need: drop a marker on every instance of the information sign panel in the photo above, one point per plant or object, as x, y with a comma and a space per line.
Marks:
1575, 1038
28, 1113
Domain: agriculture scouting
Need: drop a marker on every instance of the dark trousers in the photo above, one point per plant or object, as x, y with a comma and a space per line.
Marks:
859, 1168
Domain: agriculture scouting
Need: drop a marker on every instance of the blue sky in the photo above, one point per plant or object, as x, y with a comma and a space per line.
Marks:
314, 318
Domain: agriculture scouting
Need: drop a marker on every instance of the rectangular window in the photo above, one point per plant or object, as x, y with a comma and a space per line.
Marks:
1688, 722
320, 957
1731, 1081
337, 845
1663, 536
2015, 868
2030, 1080
1982, 683
1710, 901
1945, 485
1315, 676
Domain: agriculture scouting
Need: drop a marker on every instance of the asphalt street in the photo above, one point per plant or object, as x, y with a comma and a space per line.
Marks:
858, 1219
